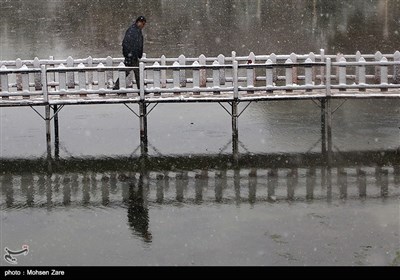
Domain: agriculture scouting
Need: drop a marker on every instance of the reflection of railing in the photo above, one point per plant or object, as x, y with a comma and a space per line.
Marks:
205, 162
215, 186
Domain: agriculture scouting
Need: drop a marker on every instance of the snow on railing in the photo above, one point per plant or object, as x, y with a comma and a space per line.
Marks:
233, 76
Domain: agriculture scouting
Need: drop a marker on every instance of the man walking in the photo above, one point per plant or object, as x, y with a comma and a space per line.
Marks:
132, 48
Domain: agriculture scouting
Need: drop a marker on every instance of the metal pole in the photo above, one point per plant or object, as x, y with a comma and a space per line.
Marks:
48, 132
328, 110
143, 128
56, 133
143, 113
323, 126
329, 129
235, 131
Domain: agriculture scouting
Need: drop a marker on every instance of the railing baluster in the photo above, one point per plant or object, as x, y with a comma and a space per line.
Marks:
157, 78
216, 78
122, 78
289, 74
221, 61
328, 76
44, 83
163, 72
101, 78
37, 76
273, 58
250, 76
90, 73
378, 57
269, 75
252, 60
322, 68
293, 58
196, 78
311, 56
176, 76
384, 74
308, 75
82, 79
109, 74
361, 79
235, 80
70, 75
203, 73
62, 77
52, 76
142, 74
18, 64
339, 57
358, 57
25, 82
4, 82
396, 68
182, 73
342, 74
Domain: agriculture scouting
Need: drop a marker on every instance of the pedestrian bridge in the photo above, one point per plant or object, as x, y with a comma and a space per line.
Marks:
201, 79
55, 83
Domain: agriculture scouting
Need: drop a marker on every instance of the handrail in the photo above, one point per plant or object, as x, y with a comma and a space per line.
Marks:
307, 75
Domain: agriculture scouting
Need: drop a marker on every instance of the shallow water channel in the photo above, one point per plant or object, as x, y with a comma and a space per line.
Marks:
189, 201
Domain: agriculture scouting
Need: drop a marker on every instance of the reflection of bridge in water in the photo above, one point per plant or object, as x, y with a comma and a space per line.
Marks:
199, 179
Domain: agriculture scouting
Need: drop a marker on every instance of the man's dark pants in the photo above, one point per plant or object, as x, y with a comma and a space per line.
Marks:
131, 62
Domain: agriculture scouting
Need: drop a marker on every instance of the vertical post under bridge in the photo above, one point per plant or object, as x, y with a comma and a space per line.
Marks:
235, 131
143, 128
56, 132
328, 110
323, 126
142, 113
48, 132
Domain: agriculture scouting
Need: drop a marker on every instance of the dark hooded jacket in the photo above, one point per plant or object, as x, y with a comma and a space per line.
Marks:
132, 45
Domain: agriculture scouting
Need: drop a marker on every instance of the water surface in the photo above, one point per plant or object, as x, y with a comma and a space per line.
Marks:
190, 203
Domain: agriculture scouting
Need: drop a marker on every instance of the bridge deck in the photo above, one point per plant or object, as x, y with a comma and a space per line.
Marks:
190, 97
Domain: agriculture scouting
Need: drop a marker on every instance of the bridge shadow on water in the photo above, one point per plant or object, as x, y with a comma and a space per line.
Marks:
139, 183
194, 179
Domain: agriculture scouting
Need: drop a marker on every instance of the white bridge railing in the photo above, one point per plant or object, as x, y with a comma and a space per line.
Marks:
41, 81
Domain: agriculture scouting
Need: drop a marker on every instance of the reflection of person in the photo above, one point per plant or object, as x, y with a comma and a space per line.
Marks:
132, 48
138, 214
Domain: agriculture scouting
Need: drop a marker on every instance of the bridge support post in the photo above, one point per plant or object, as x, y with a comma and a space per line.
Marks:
235, 133
142, 112
56, 132
143, 128
235, 116
328, 112
329, 130
323, 126
326, 132
48, 132
48, 137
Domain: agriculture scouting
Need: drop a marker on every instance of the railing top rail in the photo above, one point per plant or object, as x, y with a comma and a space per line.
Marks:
229, 58
98, 68
191, 66
19, 70
365, 63
289, 64
178, 67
